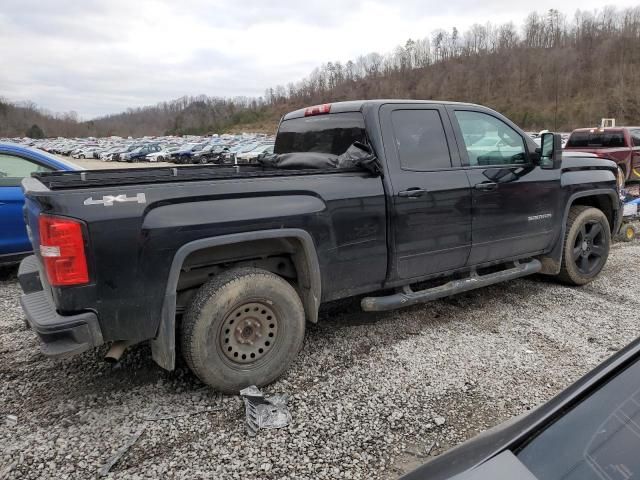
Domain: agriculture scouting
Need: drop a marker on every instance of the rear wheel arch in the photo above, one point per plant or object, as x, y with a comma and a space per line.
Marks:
298, 245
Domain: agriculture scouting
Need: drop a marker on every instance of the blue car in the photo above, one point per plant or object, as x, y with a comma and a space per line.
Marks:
17, 162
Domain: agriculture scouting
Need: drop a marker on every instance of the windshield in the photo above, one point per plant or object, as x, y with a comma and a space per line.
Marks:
333, 133
599, 439
606, 139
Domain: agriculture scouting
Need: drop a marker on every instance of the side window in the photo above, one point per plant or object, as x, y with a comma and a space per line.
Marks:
420, 140
635, 137
490, 141
13, 169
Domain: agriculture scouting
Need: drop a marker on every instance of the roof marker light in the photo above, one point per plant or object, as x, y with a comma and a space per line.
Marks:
317, 110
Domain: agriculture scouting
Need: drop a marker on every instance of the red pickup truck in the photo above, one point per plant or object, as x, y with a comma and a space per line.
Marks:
620, 144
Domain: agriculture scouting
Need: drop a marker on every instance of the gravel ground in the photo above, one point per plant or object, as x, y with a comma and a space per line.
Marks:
372, 395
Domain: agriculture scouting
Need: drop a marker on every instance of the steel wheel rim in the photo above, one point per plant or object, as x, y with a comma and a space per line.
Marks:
589, 248
248, 333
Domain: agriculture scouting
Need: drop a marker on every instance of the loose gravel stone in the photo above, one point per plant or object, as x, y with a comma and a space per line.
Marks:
371, 395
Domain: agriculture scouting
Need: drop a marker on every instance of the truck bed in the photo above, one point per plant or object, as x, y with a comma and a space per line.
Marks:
137, 176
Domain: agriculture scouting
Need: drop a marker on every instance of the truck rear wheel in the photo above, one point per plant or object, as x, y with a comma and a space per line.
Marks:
586, 245
242, 328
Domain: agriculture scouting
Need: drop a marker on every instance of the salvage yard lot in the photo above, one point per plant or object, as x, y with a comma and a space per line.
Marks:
91, 164
369, 392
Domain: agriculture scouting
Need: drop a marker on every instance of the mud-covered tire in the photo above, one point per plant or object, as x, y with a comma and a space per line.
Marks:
586, 245
215, 325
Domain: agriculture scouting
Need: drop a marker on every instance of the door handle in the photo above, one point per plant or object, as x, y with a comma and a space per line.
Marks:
486, 186
413, 192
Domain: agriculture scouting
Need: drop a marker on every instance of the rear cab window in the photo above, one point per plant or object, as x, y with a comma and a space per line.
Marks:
332, 133
596, 139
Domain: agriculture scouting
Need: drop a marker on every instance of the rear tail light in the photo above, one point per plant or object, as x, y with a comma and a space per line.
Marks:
62, 250
317, 110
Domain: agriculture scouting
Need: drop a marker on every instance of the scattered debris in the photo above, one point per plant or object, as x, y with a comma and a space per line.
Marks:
429, 448
439, 421
11, 420
156, 417
113, 459
264, 412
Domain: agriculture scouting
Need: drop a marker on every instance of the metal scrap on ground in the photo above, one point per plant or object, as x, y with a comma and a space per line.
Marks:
156, 416
113, 459
264, 412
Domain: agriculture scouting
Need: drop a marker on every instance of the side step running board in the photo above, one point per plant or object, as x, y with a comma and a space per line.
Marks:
409, 297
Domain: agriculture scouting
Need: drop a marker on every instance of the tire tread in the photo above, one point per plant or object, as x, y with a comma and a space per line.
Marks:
565, 274
209, 290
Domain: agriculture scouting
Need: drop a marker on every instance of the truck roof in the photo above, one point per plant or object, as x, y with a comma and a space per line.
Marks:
357, 105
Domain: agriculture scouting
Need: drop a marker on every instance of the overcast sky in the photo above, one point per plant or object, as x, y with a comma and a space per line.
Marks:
99, 57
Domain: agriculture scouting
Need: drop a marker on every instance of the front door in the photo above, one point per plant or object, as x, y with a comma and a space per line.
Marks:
431, 199
515, 204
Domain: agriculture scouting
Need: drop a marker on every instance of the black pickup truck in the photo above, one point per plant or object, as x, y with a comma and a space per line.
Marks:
230, 262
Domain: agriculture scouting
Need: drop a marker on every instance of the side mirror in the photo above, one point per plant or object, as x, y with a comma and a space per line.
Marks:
550, 150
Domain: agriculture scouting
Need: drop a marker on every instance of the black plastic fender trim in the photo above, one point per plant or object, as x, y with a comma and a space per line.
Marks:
163, 346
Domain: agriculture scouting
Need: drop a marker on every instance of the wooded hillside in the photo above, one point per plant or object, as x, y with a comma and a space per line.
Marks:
553, 72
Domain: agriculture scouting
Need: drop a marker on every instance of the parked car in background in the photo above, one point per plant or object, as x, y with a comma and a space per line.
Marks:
184, 154
106, 154
85, 152
231, 155
590, 431
16, 163
252, 155
162, 155
139, 153
203, 155
117, 155
620, 144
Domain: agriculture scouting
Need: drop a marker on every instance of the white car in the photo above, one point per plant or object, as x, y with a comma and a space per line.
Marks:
162, 155
85, 152
255, 153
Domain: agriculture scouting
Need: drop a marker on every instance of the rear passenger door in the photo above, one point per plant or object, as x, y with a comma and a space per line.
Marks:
431, 200
515, 203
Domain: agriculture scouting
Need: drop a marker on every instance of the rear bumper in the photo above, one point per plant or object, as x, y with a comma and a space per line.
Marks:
61, 336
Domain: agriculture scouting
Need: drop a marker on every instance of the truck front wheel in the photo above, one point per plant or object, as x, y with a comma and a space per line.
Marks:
244, 327
586, 245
